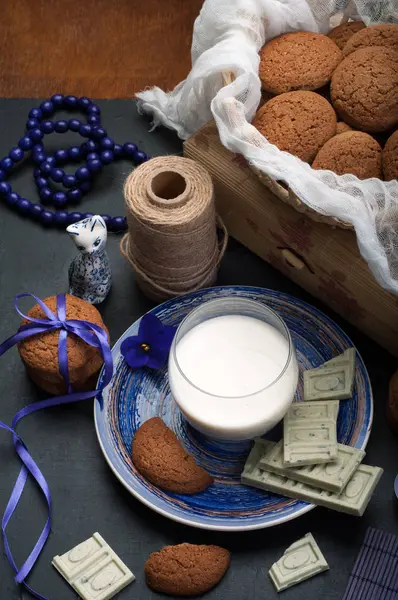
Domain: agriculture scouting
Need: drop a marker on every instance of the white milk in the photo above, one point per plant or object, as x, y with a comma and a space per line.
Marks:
231, 365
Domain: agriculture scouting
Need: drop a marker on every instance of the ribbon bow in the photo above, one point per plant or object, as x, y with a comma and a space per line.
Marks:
93, 335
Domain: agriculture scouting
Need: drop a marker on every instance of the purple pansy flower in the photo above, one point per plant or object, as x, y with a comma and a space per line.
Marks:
151, 347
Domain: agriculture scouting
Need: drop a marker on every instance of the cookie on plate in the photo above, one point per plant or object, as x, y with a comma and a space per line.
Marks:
39, 353
364, 89
342, 33
376, 35
159, 456
390, 158
298, 61
297, 122
342, 127
352, 152
186, 569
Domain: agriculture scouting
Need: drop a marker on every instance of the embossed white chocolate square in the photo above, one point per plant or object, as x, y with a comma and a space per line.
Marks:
332, 476
334, 382
353, 500
313, 410
299, 562
309, 441
93, 569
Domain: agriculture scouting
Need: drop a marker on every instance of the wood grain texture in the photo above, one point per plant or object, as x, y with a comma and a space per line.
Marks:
98, 48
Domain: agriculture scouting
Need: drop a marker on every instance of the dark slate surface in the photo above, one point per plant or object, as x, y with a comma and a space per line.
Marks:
86, 495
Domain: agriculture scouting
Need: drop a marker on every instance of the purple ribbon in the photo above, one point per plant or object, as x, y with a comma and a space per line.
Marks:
94, 336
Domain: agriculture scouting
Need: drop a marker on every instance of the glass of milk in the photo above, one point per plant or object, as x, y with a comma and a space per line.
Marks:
233, 369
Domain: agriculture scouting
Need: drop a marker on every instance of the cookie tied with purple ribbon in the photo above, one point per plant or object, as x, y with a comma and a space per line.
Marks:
40, 353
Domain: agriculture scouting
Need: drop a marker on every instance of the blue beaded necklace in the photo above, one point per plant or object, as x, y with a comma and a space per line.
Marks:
97, 151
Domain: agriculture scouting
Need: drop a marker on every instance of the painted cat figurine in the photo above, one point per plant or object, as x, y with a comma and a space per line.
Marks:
90, 272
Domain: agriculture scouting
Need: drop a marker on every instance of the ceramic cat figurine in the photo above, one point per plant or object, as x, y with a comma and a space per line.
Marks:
90, 272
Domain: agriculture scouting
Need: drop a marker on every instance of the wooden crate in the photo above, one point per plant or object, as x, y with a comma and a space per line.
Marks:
322, 259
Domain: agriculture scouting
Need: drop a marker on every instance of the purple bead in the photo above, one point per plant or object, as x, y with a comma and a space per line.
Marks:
69, 181
61, 155
2, 175
118, 224
107, 219
82, 174
23, 205
60, 126
6, 163
57, 175
130, 148
59, 199
32, 124
74, 153
107, 143
74, 196
84, 150
35, 113
46, 195
47, 218
12, 198
41, 182
84, 102
16, 154
87, 215
47, 127
46, 167
35, 210
106, 157
47, 107
139, 157
61, 218
85, 187
98, 133
50, 160
35, 135
94, 166
70, 101
85, 130
57, 99
74, 124
93, 119
118, 150
91, 146
25, 143
94, 109
5, 188
39, 158
92, 156
36, 172
74, 217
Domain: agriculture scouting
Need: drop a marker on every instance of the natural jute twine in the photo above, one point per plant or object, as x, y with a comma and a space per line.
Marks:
172, 242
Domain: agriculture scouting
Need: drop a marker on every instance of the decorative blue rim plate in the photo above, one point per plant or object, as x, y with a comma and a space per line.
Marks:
132, 397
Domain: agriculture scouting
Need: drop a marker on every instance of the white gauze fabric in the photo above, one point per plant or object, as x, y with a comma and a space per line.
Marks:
228, 35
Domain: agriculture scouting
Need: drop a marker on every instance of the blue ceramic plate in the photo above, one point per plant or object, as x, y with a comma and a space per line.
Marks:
132, 397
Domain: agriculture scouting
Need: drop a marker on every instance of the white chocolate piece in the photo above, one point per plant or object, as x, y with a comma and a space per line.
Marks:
349, 355
299, 562
310, 434
313, 410
331, 476
93, 569
353, 500
334, 382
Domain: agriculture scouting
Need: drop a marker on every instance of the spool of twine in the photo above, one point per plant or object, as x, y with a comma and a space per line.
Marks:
172, 242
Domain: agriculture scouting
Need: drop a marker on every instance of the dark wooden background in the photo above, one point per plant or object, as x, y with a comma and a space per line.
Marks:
98, 48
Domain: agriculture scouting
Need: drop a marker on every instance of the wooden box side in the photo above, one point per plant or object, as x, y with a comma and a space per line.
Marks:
323, 260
